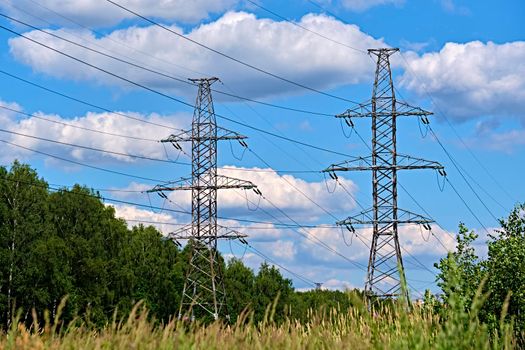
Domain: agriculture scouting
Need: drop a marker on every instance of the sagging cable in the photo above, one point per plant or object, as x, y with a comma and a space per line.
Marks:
249, 201
326, 183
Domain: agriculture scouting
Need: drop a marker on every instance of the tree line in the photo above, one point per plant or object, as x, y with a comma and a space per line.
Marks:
68, 243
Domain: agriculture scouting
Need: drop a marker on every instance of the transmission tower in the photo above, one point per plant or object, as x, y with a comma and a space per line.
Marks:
204, 291
385, 273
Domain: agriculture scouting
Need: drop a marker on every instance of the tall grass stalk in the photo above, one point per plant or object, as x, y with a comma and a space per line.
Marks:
383, 328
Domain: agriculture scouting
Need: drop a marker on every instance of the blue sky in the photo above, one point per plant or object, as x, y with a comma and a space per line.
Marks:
463, 60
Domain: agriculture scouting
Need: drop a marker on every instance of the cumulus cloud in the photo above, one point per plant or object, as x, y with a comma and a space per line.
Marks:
506, 141
164, 222
103, 14
40, 126
471, 80
279, 47
287, 192
363, 5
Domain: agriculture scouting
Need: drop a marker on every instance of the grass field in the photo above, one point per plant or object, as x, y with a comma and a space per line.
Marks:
395, 328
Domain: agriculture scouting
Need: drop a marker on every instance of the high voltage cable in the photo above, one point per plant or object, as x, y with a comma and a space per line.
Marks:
319, 6
165, 75
89, 104
266, 257
100, 34
168, 96
461, 173
305, 28
458, 168
135, 156
185, 212
473, 155
467, 206
457, 135
75, 126
131, 137
261, 228
230, 57
83, 164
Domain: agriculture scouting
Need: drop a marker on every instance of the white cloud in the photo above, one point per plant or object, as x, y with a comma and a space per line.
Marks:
506, 142
285, 250
102, 122
335, 284
288, 193
279, 47
363, 5
134, 215
103, 14
471, 80
283, 191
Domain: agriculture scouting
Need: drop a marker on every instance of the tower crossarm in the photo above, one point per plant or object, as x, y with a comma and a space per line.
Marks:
365, 110
366, 218
226, 182
223, 182
185, 233
403, 162
187, 136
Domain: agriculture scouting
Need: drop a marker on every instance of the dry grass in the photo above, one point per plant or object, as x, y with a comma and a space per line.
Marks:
357, 329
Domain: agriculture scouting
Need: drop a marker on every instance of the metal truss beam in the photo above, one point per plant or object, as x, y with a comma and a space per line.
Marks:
204, 292
385, 265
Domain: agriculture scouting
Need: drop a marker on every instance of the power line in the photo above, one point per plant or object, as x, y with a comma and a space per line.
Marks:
82, 164
473, 155
228, 56
75, 126
261, 228
159, 73
461, 173
266, 257
135, 156
58, 187
322, 8
305, 28
89, 104
135, 138
467, 206
166, 95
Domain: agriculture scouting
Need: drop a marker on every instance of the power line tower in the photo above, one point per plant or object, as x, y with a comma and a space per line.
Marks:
385, 273
204, 291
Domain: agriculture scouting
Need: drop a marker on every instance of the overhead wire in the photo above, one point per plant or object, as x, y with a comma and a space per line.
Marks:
169, 96
158, 72
84, 164
89, 104
274, 262
220, 53
304, 28
458, 136
136, 138
128, 155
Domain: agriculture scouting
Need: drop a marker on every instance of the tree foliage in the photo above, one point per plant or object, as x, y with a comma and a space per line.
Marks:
501, 275
68, 243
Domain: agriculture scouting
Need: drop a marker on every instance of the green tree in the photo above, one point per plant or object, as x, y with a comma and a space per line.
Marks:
268, 286
24, 212
460, 271
239, 282
505, 268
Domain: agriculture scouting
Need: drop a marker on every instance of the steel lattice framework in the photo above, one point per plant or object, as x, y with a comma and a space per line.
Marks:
385, 266
204, 291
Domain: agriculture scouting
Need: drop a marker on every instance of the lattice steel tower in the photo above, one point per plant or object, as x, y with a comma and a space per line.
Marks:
385, 265
204, 291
